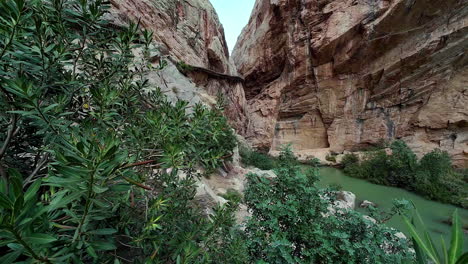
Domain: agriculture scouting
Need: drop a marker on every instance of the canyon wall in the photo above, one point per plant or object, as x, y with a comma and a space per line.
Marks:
345, 74
187, 31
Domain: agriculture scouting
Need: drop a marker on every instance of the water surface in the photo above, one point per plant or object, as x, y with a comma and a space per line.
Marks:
433, 213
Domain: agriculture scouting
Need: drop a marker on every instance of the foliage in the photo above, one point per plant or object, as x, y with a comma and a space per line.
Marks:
291, 223
233, 196
257, 159
314, 162
433, 176
91, 157
426, 250
330, 158
349, 160
184, 67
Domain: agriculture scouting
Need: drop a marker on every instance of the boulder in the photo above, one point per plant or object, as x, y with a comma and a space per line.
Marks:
366, 204
346, 200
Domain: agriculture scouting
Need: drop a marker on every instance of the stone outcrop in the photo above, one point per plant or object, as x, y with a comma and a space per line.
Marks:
187, 31
345, 74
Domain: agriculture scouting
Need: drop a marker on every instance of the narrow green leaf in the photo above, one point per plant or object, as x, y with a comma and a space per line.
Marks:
99, 189
32, 190
110, 152
103, 245
40, 238
456, 243
463, 259
5, 202
60, 200
419, 240
11, 257
5, 242
16, 182
420, 256
444, 249
18, 206
430, 243
92, 252
104, 231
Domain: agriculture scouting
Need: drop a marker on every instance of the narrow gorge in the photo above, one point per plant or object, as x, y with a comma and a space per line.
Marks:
326, 76
136, 131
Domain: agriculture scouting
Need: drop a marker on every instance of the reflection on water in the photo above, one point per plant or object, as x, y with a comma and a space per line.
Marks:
433, 213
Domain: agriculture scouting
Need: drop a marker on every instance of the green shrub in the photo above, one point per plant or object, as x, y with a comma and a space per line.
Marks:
436, 179
288, 223
330, 158
184, 67
91, 157
432, 177
314, 162
257, 159
351, 166
349, 159
288, 212
233, 196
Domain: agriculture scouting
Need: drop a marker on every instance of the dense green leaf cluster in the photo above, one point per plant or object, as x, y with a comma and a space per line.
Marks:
257, 159
433, 176
91, 158
291, 223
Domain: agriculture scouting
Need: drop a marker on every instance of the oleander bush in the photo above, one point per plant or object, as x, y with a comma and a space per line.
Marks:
90, 156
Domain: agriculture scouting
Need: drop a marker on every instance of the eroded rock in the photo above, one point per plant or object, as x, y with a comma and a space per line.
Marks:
346, 74
187, 31
366, 204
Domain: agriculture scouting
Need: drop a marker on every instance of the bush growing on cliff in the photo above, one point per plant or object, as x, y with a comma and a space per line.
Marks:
90, 158
433, 176
291, 223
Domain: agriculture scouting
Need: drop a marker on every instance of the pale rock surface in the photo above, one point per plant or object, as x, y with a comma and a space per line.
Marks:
187, 31
366, 203
346, 74
369, 218
346, 200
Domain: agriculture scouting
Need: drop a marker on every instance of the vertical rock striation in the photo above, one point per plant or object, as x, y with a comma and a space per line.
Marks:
345, 74
187, 31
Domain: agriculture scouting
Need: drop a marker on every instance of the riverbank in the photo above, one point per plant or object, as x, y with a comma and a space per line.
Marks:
433, 213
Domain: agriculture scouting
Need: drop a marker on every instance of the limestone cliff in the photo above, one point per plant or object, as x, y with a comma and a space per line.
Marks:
187, 31
343, 74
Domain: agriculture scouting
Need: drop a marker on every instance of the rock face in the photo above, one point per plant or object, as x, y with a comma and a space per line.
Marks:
187, 31
345, 74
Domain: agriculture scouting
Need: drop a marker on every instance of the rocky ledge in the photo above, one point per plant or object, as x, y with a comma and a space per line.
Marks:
345, 74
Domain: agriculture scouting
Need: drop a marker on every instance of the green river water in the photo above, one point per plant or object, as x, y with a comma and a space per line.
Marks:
432, 213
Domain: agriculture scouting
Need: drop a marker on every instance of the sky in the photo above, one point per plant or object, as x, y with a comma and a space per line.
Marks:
234, 15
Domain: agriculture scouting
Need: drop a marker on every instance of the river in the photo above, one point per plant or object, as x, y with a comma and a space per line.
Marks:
432, 213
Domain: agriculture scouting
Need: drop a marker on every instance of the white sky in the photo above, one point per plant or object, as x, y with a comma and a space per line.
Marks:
234, 15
